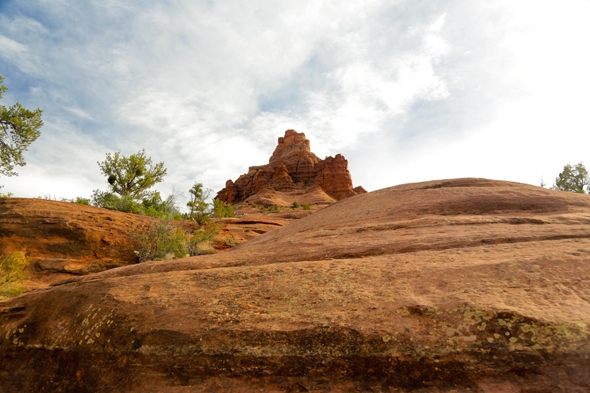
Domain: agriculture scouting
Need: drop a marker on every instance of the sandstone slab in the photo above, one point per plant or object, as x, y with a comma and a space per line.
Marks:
459, 285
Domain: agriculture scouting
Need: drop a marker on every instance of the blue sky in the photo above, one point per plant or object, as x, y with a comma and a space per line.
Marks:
406, 90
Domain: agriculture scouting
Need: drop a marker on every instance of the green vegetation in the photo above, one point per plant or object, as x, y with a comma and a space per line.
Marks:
165, 240
82, 201
295, 205
13, 273
197, 205
133, 176
130, 179
231, 241
7, 195
19, 128
222, 209
573, 179
307, 206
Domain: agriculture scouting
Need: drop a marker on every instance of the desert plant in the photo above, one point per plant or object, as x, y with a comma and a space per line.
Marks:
573, 179
199, 242
13, 273
7, 195
307, 206
231, 241
197, 205
222, 209
295, 205
82, 201
131, 176
159, 239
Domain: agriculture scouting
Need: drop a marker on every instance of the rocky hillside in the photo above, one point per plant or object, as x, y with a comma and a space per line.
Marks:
445, 286
63, 239
291, 167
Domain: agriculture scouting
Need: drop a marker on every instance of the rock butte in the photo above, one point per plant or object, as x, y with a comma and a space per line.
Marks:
443, 286
292, 167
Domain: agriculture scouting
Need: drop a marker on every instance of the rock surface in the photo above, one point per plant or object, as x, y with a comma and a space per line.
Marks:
293, 166
446, 286
63, 239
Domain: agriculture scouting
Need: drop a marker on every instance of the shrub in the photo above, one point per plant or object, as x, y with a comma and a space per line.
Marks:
231, 241
82, 201
295, 205
200, 240
152, 205
162, 240
307, 206
158, 240
12, 273
222, 209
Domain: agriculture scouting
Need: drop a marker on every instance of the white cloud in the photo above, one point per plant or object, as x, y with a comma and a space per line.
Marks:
411, 90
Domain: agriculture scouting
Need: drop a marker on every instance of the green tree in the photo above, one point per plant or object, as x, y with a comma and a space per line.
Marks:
198, 207
19, 128
133, 176
572, 179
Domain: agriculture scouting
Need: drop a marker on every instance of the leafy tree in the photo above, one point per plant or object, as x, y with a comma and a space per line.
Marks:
573, 179
198, 207
19, 128
131, 177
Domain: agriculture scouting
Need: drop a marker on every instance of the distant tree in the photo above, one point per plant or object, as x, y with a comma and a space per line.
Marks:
19, 128
197, 204
572, 179
133, 176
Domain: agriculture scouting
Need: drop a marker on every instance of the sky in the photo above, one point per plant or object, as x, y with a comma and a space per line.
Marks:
406, 90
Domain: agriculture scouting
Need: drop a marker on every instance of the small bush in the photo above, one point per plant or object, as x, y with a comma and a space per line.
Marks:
12, 273
231, 241
199, 242
222, 209
307, 206
82, 201
162, 240
158, 239
295, 205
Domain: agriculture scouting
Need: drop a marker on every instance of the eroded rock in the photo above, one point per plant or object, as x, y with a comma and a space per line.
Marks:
293, 166
458, 285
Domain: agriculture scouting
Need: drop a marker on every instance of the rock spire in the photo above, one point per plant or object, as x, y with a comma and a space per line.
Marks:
292, 166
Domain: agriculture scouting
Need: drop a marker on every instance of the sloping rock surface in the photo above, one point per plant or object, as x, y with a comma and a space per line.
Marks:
62, 238
293, 166
446, 286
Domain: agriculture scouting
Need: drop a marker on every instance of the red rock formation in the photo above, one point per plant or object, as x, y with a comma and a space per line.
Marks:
293, 165
465, 285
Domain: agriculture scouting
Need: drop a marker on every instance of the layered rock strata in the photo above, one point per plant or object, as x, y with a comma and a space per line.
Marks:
447, 286
293, 165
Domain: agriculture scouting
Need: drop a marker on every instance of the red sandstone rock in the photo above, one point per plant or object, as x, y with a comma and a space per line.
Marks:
465, 285
63, 239
293, 166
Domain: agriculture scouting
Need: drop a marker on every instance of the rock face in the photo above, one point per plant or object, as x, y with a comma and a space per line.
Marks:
291, 166
446, 286
63, 239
